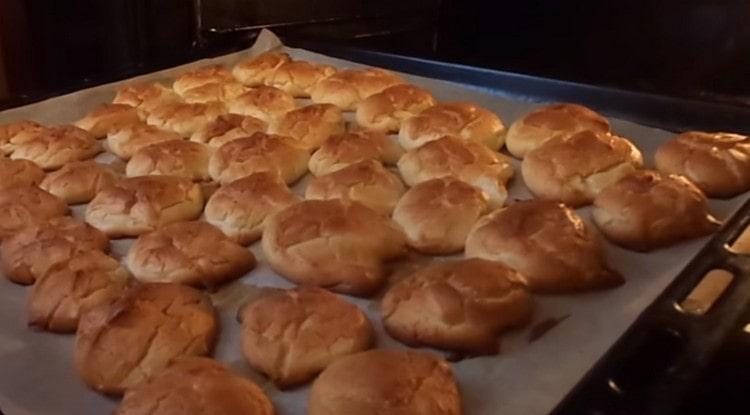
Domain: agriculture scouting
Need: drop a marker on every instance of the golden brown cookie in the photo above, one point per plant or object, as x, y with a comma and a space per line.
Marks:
25, 206
264, 103
298, 77
292, 335
257, 70
108, 117
147, 328
54, 147
346, 89
195, 386
386, 110
70, 288
171, 158
574, 169
464, 120
14, 173
201, 76
718, 163
386, 382
341, 150
79, 181
193, 253
228, 127
547, 243
467, 161
258, 153
183, 118
214, 92
367, 182
240, 208
648, 210
146, 96
457, 305
437, 215
129, 139
332, 244
310, 126
136, 205
30, 253
538, 126
11, 133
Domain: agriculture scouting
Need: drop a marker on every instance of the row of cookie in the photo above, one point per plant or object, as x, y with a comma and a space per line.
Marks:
115, 320
154, 329
157, 330
369, 183
721, 174
382, 99
424, 340
587, 154
535, 128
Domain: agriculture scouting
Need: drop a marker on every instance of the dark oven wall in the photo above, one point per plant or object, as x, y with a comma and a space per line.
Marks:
688, 48
401, 26
697, 48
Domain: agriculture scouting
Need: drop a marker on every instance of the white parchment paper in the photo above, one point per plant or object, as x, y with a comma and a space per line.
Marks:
36, 368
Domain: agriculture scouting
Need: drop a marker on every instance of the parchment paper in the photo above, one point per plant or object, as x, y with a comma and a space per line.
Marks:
36, 370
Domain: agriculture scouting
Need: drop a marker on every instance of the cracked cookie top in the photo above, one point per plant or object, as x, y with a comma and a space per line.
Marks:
119, 345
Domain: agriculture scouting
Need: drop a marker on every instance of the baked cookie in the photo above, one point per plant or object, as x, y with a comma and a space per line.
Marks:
386, 110
538, 126
547, 243
183, 118
25, 206
258, 153
457, 305
333, 244
718, 163
127, 140
15, 173
298, 77
228, 127
292, 335
68, 289
35, 249
179, 158
214, 92
19, 131
147, 328
265, 103
342, 150
79, 181
464, 120
259, 69
240, 208
437, 215
648, 210
195, 386
346, 89
203, 75
367, 182
136, 205
573, 169
108, 117
386, 382
57, 146
467, 161
146, 96
310, 126
193, 253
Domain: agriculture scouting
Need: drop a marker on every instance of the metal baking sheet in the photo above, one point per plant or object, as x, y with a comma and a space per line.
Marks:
36, 369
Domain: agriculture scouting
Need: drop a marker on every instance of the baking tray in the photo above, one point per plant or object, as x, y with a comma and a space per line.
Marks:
666, 356
527, 377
